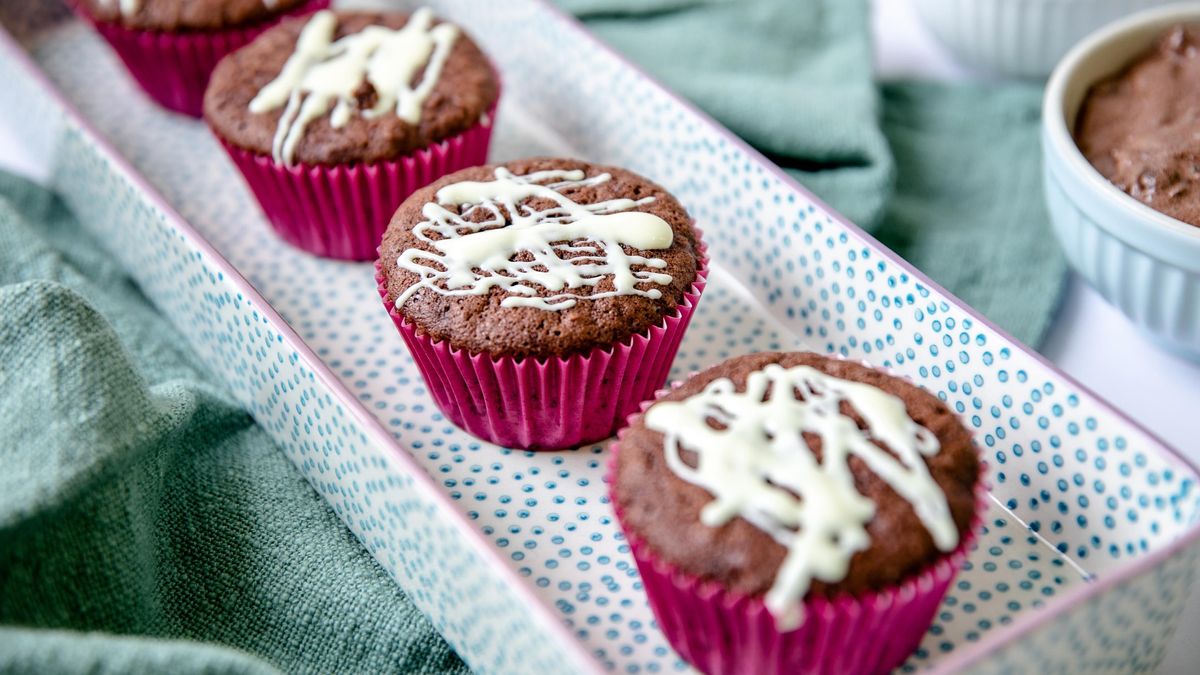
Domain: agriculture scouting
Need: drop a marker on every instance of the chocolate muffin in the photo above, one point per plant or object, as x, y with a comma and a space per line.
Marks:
1141, 127
665, 510
190, 15
464, 88
171, 46
334, 120
542, 315
544, 299
791, 512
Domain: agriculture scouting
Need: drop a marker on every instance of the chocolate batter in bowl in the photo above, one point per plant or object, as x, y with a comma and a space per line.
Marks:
1119, 140
1141, 127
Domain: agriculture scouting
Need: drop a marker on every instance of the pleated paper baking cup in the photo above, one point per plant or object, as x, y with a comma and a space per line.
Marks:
553, 403
723, 632
341, 211
173, 68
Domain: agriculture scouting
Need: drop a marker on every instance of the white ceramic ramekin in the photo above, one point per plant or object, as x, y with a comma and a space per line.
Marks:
1144, 262
1019, 37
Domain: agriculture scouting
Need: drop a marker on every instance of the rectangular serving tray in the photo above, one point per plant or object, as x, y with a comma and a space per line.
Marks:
1090, 547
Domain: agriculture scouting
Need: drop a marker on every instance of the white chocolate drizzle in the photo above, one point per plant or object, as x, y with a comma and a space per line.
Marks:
126, 7
323, 74
750, 453
473, 257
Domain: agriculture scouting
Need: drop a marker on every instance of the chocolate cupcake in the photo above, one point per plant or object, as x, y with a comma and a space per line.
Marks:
334, 120
543, 299
791, 512
171, 47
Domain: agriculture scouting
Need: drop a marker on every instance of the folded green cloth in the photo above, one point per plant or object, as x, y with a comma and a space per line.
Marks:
967, 208
142, 512
948, 176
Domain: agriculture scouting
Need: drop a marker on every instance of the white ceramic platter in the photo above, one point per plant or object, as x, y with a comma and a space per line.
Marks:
1090, 545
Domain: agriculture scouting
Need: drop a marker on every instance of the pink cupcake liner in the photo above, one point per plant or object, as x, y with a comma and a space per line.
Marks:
549, 404
722, 632
342, 211
173, 68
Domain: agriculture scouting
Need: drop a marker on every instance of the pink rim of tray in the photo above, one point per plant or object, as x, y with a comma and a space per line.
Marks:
341, 211
173, 68
723, 632
553, 403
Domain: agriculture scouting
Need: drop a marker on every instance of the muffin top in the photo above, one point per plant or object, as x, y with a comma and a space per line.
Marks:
348, 87
1141, 127
186, 15
538, 257
855, 479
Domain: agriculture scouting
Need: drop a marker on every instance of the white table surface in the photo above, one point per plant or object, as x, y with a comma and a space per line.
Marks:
1089, 340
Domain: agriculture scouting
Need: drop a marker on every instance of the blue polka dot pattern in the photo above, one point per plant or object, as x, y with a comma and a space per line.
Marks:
1079, 495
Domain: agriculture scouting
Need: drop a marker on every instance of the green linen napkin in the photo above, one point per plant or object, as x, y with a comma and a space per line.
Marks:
947, 175
142, 512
